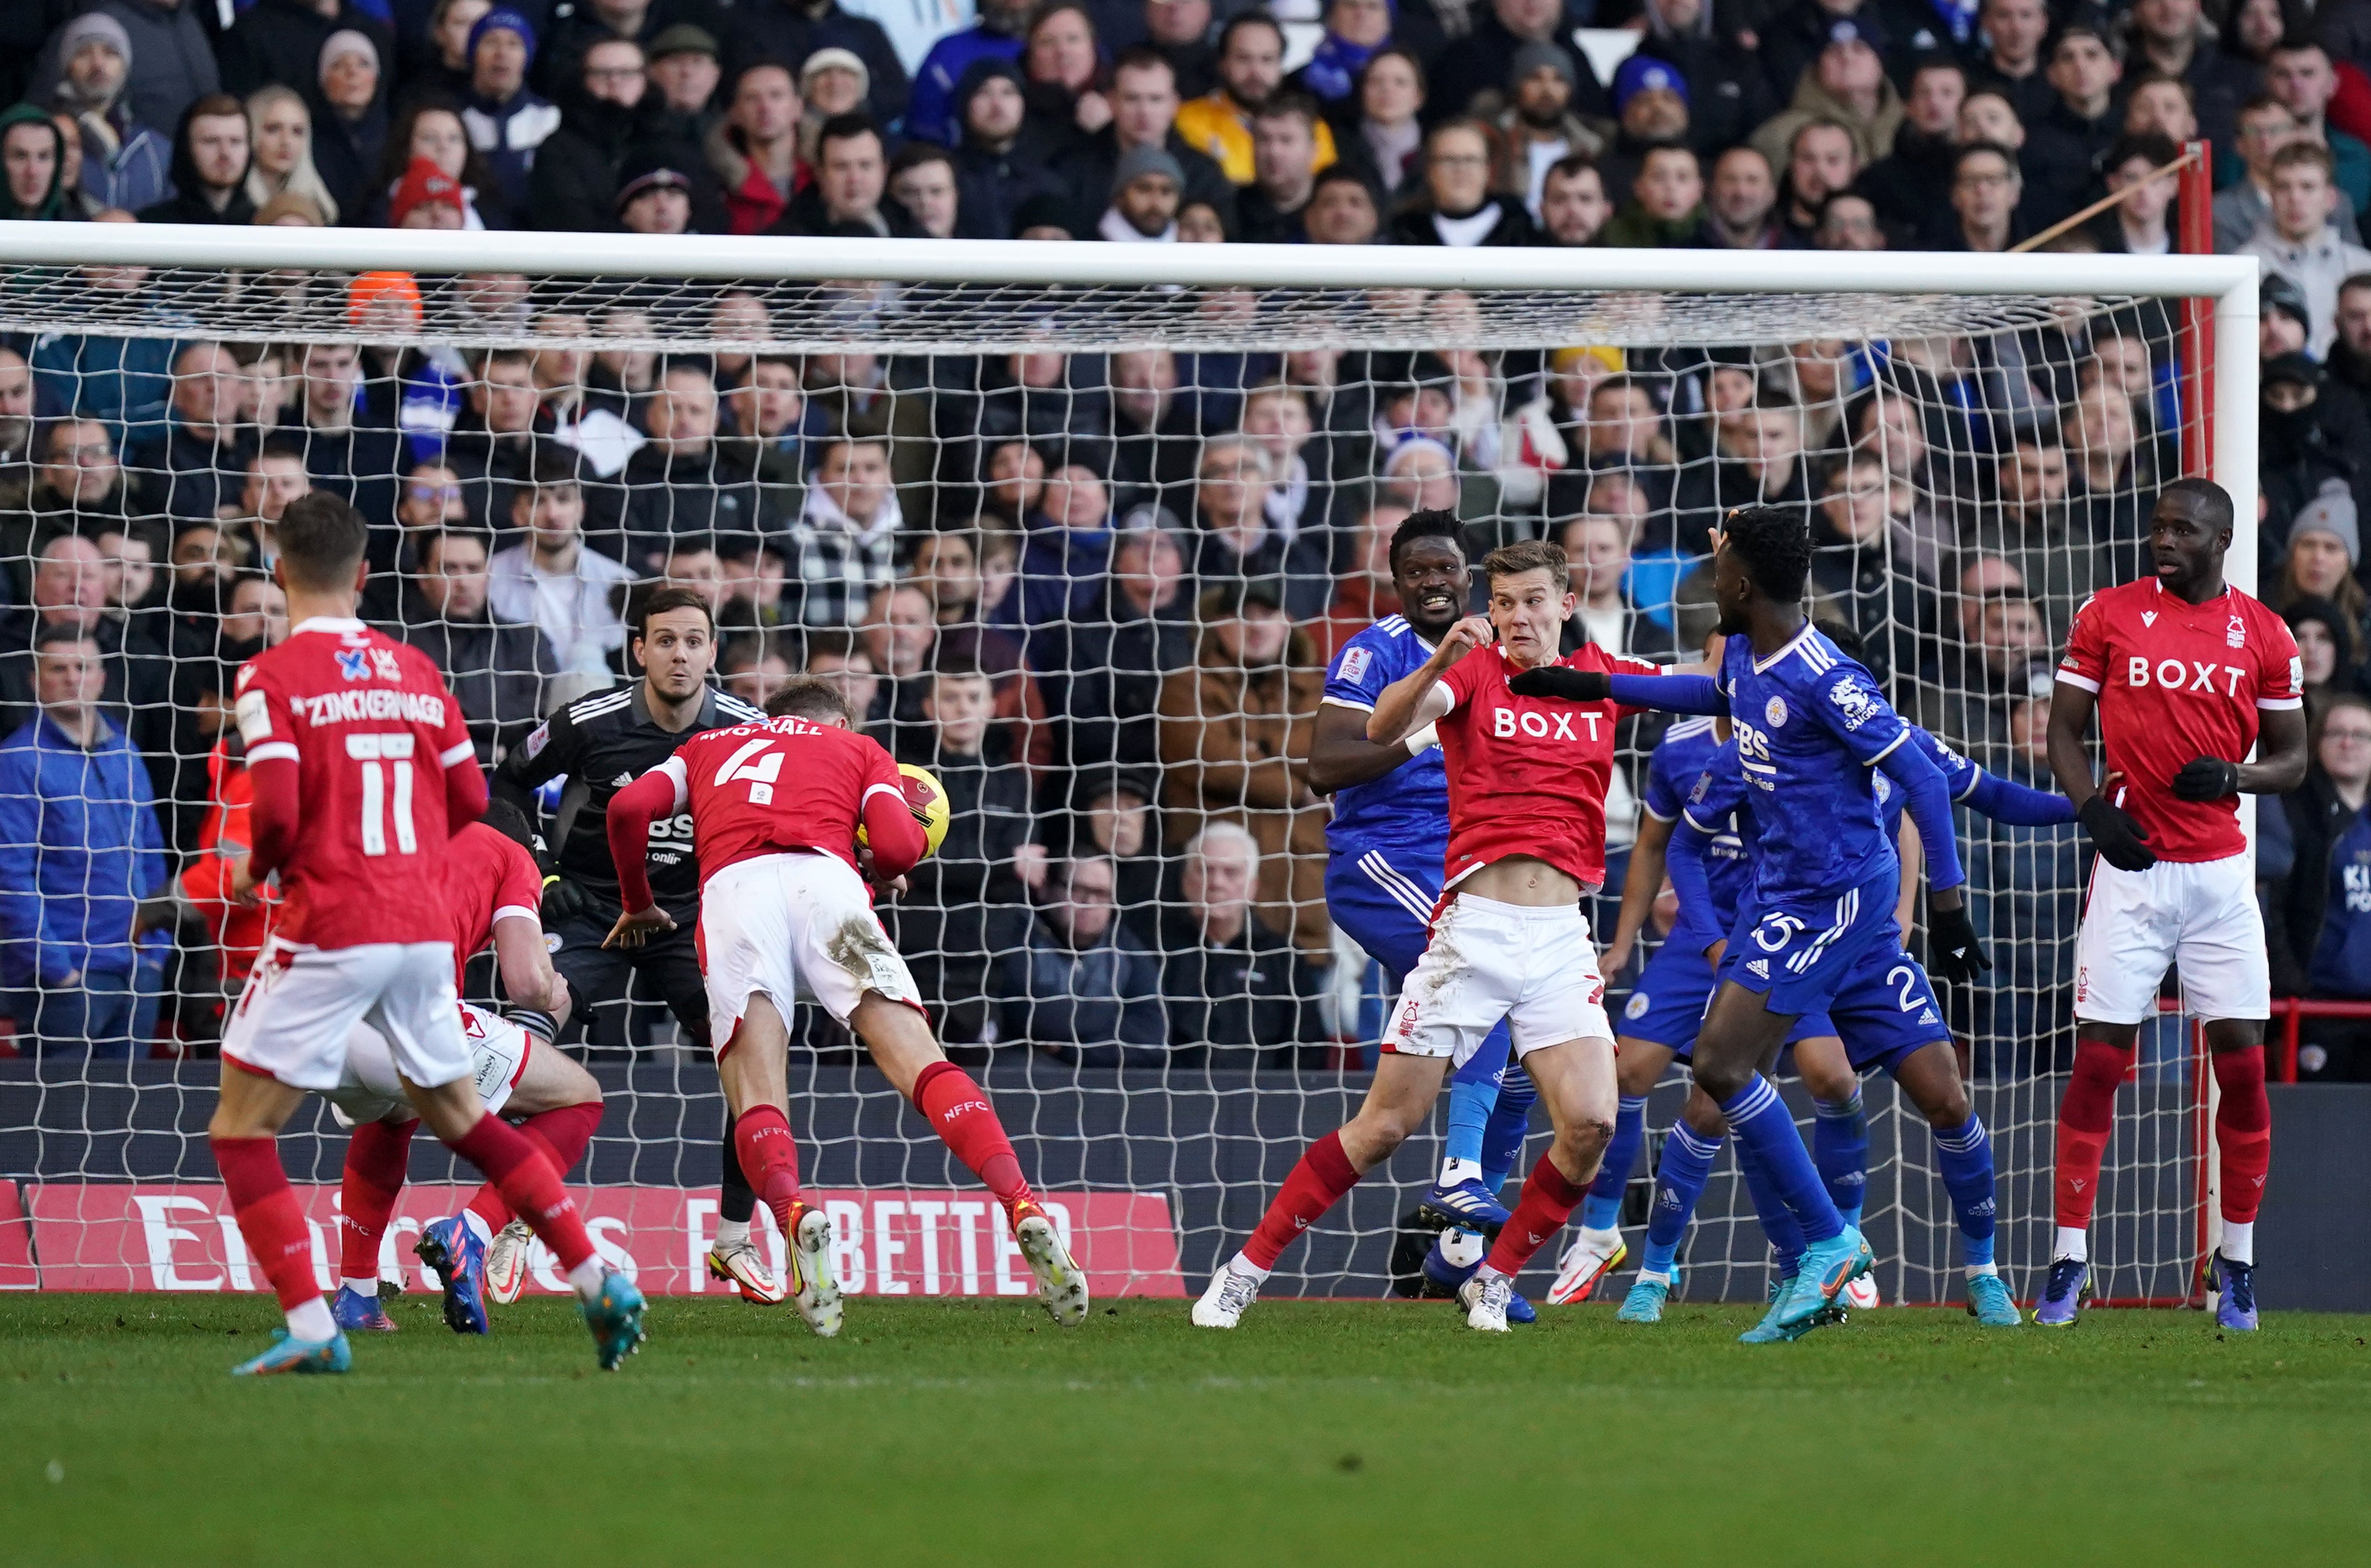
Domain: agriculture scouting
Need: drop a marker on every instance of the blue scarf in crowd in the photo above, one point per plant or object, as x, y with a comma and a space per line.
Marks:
1332, 72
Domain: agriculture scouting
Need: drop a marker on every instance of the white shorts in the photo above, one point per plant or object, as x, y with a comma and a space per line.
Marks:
301, 1005
2199, 915
793, 927
368, 1091
1536, 968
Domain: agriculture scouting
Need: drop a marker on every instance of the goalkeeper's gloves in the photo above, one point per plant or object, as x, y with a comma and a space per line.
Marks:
2206, 778
564, 900
1564, 682
1954, 950
2122, 841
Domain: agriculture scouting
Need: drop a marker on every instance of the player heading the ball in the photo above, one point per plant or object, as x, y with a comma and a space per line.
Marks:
2186, 673
1527, 782
777, 808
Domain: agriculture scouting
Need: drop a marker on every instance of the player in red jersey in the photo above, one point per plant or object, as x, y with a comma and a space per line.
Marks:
492, 887
361, 768
783, 909
2183, 669
1527, 782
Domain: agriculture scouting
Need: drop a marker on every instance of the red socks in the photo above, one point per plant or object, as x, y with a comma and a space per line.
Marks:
2243, 1132
269, 1218
1547, 1201
1316, 1185
770, 1157
375, 1158
562, 1135
2085, 1118
529, 1185
958, 1110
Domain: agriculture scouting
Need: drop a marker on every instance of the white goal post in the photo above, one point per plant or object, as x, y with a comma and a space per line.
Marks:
1208, 1146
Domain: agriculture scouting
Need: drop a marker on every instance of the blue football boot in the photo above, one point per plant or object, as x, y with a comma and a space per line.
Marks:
303, 1357
452, 1250
615, 1316
1463, 1205
1645, 1302
1989, 1303
2237, 1309
2062, 1293
1828, 1266
358, 1313
1767, 1332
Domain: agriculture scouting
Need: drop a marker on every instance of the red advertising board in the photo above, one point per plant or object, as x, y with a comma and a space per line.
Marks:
885, 1242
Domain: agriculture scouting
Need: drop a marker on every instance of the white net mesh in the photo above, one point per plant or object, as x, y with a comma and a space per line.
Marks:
1067, 490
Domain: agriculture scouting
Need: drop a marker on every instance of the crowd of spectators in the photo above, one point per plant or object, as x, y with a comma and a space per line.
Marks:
1096, 591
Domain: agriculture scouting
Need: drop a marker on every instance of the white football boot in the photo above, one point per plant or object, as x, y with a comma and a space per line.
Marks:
1227, 1298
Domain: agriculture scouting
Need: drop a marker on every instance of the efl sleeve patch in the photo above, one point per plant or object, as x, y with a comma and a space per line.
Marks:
254, 713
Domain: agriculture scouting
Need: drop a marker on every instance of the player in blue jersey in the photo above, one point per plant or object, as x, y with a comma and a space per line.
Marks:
1819, 934
1389, 839
1659, 1025
1910, 1042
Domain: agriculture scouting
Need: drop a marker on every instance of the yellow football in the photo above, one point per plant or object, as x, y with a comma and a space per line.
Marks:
927, 798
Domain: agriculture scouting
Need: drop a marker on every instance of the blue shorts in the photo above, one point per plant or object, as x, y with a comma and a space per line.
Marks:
1667, 1006
1853, 967
1385, 906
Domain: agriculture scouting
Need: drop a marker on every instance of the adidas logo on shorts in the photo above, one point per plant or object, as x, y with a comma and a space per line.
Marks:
1759, 968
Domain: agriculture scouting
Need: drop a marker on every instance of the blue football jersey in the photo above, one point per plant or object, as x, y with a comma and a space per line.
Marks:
1406, 810
1685, 754
1810, 725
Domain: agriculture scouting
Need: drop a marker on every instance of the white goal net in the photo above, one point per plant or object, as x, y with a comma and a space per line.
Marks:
1078, 527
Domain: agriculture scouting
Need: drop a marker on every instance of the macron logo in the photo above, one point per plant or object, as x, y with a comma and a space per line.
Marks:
2148, 617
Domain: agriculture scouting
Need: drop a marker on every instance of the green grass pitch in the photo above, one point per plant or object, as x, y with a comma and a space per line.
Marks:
976, 1433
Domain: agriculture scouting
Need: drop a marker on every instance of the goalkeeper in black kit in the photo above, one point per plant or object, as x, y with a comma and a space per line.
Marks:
600, 745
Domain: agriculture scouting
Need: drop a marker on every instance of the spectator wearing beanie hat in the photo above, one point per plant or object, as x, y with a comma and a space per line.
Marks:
171, 63
506, 120
1847, 83
1538, 128
1146, 188
350, 118
832, 82
653, 194
279, 40
998, 165
778, 29
125, 163
1652, 108
426, 197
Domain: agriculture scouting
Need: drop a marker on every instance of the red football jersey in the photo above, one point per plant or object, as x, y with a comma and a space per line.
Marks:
1528, 775
372, 730
2177, 681
783, 785
487, 876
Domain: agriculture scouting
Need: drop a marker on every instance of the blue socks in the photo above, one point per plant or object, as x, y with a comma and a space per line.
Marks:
1473, 1094
1602, 1210
1680, 1179
1777, 1220
1510, 1124
1965, 1153
1759, 1121
1840, 1148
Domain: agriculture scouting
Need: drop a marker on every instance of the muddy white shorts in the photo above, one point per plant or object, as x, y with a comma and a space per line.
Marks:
2200, 915
1536, 968
797, 926
368, 1090
302, 1003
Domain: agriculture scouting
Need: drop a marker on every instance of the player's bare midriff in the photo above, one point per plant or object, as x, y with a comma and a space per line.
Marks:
1524, 879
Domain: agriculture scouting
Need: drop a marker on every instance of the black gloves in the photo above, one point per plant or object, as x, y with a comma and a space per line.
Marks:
1558, 681
2206, 778
2120, 840
1953, 950
564, 900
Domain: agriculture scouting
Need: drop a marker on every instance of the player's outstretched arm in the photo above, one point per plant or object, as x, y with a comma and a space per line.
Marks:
1642, 883
1685, 859
1414, 701
1954, 950
632, 812
1341, 757
2014, 805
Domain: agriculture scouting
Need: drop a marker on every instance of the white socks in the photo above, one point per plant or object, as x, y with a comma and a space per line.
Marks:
586, 1277
732, 1233
2073, 1241
312, 1323
2238, 1242
1243, 1266
359, 1286
1452, 1172
1974, 1269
